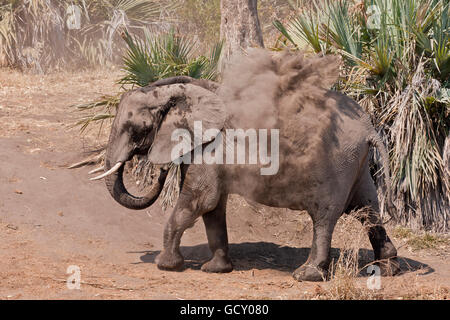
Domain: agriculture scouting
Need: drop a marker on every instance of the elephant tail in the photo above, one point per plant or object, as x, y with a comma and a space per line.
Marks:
375, 140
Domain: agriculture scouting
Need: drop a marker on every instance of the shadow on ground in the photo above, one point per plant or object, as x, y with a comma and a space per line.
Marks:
267, 255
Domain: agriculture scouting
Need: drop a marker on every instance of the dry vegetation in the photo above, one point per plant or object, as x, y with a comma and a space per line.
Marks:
421, 240
349, 272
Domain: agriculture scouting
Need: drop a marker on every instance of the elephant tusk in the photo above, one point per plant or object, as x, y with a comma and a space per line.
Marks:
96, 170
109, 172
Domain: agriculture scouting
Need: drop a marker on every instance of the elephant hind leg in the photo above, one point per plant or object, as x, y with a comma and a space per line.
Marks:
384, 250
316, 267
216, 231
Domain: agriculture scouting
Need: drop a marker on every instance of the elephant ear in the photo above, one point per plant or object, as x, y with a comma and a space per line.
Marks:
187, 103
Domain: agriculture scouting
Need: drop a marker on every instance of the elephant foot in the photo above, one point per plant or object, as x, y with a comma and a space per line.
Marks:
389, 267
309, 272
169, 261
389, 263
220, 263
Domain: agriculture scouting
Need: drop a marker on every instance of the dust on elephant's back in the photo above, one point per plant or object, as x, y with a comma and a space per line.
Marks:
315, 144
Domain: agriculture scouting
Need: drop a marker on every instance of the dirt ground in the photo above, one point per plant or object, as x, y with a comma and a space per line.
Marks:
52, 218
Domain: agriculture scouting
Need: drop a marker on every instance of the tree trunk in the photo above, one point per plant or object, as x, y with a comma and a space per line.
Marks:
239, 28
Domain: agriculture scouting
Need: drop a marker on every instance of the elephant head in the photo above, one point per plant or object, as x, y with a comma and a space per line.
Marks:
144, 124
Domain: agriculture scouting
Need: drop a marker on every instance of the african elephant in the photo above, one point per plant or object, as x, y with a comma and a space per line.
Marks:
328, 175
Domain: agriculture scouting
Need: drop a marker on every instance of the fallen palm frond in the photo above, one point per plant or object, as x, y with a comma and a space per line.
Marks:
171, 189
397, 63
143, 171
98, 111
95, 159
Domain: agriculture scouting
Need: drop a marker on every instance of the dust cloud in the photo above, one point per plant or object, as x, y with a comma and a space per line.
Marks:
261, 88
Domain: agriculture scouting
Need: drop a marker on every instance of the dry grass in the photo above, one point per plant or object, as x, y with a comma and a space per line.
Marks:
422, 240
415, 291
171, 189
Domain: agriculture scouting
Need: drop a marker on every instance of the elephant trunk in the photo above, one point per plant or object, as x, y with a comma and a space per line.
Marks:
118, 153
116, 187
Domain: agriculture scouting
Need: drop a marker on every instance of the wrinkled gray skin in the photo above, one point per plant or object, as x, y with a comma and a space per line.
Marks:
328, 177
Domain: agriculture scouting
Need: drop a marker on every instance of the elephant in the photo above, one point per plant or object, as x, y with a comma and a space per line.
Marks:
328, 175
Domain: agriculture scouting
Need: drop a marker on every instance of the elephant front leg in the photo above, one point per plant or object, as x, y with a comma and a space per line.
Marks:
170, 258
216, 231
316, 267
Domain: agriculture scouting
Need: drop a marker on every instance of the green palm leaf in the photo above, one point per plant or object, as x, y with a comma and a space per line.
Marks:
157, 57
